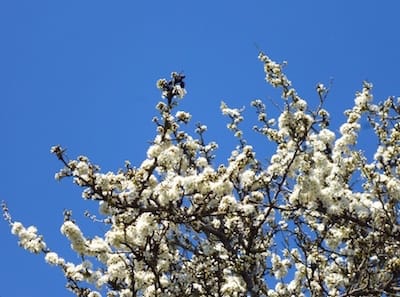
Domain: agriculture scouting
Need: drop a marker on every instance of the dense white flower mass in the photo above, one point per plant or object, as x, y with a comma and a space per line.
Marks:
317, 217
28, 237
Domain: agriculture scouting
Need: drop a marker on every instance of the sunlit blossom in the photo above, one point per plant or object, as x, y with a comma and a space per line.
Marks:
310, 215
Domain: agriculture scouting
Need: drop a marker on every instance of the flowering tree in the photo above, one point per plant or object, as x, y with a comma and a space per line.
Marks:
319, 219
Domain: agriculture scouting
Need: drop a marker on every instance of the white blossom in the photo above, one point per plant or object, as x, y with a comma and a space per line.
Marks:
233, 286
74, 234
311, 215
28, 237
53, 259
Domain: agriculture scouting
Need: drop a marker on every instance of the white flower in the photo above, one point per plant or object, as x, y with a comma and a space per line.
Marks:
116, 267
168, 192
233, 286
228, 202
285, 120
247, 209
53, 259
97, 246
201, 162
170, 157
247, 178
301, 105
364, 97
16, 228
144, 226
28, 237
74, 234
232, 112
216, 223
279, 266
179, 91
82, 168
126, 293
393, 186
183, 116
161, 83
326, 136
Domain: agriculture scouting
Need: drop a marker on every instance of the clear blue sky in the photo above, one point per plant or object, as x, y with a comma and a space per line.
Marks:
82, 74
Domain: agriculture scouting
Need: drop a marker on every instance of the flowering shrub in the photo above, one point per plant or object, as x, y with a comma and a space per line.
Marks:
178, 225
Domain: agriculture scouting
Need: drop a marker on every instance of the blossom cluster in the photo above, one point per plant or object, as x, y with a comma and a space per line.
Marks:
317, 219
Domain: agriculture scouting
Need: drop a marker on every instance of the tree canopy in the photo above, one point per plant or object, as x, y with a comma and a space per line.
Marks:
317, 219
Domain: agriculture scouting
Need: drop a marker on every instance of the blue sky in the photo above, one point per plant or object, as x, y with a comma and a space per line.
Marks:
82, 74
